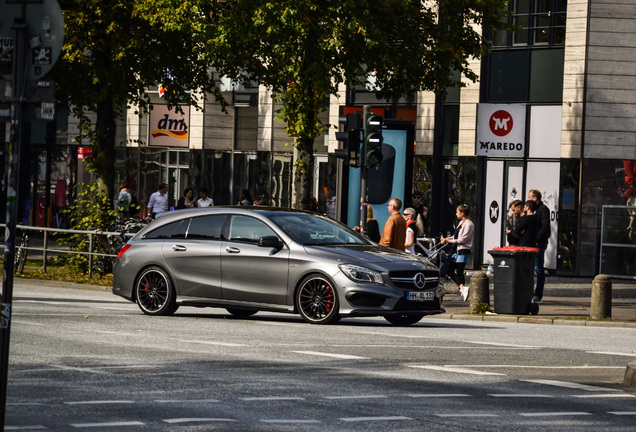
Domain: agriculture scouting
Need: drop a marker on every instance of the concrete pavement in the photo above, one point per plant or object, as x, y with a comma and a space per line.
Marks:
566, 300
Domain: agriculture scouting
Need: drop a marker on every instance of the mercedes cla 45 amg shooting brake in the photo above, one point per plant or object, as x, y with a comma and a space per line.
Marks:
268, 259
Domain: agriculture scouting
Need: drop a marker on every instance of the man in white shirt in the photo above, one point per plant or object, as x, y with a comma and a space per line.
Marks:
205, 200
158, 202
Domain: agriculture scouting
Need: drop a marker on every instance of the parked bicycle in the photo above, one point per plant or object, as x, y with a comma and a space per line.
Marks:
107, 244
21, 252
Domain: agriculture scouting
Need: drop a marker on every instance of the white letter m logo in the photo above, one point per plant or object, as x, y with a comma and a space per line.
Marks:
501, 123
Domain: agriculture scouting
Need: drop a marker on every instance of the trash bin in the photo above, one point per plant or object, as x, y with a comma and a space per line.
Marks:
514, 280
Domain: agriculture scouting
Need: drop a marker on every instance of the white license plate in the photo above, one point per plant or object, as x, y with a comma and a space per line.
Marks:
420, 296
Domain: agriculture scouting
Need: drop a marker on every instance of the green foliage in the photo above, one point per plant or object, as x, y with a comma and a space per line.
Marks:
92, 210
481, 309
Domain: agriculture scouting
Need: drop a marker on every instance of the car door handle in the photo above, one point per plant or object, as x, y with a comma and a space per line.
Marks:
179, 248
232, 250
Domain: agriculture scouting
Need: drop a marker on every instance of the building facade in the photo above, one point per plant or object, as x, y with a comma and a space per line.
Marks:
566, 81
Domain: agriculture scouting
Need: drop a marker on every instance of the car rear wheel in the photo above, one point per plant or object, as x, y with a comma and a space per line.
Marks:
155, 293
317, 300
404, 320
241, 313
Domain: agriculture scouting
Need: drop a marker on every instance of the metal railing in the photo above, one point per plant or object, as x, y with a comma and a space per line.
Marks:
53, 248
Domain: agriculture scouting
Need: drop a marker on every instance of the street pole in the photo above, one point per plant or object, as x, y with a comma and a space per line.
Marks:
12, 184
364, 196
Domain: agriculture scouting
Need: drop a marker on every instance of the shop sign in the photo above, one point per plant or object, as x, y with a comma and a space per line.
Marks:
84, 152
169, 128
501, 130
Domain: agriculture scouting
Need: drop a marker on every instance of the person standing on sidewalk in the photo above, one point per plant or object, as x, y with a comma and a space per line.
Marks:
543, 236
462, 241
158, 202
394, 232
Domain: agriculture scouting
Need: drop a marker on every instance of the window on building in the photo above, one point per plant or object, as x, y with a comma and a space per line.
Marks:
542, 23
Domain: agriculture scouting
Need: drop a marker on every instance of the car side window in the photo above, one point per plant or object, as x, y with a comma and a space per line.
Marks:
206, 227
168, 231
248, 230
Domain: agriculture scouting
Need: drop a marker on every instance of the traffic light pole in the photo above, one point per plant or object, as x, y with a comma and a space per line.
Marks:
12, 186
364, 198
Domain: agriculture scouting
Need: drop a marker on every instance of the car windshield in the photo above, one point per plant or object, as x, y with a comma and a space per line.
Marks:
310, 230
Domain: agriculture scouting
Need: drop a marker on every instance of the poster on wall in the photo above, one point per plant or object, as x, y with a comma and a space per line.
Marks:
501, 130
494, 209
544, 176
169, 128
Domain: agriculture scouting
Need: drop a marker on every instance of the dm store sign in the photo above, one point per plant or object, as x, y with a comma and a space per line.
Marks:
168, 128
501, 130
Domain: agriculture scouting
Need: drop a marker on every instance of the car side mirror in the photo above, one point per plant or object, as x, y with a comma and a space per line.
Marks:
270, 242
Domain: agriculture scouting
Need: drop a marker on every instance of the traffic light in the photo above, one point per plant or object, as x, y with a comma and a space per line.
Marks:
351, 141
372, 139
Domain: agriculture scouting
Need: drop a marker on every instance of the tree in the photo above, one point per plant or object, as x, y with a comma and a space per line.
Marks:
303, 50
113, 52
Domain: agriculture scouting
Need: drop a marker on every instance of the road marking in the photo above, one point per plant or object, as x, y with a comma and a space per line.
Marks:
271, 398
609, 396
114, 333
226, 344
467, 415
555, 414
503, 395
24, 403
356, 397
29, 323
570, 385
100, 402
107, 424
361, 419
196, 419
455, 370
338, 356
80, 369
290, 421
537, 367
621, 413
504, 345
36, 427
613, 353
438, 395
187, 401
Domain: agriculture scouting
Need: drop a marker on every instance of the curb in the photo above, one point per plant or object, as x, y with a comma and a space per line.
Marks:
630, 374
547, 320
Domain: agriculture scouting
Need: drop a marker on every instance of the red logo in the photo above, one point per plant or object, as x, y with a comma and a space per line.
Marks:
501, 123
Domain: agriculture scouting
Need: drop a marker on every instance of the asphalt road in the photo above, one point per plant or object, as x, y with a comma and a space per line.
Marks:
88, 360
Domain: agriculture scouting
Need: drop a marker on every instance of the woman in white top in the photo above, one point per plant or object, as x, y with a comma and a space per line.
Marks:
409, 217
463, 240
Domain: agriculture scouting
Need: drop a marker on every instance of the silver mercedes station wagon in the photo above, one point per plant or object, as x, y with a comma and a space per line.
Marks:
250, 259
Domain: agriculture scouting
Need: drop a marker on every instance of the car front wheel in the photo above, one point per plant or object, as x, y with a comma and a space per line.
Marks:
155, 293
317, 300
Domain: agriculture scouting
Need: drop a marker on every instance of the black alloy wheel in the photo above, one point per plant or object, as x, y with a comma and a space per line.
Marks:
155, 293
317, 300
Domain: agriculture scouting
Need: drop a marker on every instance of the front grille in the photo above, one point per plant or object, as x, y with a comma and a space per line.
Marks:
407, 279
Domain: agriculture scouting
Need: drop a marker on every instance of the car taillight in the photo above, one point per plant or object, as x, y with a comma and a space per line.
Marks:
124, 249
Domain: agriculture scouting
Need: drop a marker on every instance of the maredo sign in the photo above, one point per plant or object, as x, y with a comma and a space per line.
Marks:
168, 128
501, 130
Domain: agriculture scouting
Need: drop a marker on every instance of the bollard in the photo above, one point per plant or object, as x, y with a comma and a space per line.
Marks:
479, 290
601, 306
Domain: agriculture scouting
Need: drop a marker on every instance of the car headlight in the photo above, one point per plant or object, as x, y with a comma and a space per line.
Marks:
361, 274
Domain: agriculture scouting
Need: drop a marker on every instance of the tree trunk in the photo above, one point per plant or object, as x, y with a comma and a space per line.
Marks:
104, 145
303, 172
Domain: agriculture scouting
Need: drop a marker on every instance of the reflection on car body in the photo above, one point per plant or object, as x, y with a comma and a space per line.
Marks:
250, 259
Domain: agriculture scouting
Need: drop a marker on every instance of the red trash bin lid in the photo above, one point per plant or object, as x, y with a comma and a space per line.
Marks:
516, 249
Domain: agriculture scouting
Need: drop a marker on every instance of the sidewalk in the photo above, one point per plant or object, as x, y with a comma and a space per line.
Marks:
566, 300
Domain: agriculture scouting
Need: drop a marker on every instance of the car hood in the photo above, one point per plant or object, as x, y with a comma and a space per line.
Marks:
362, 254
